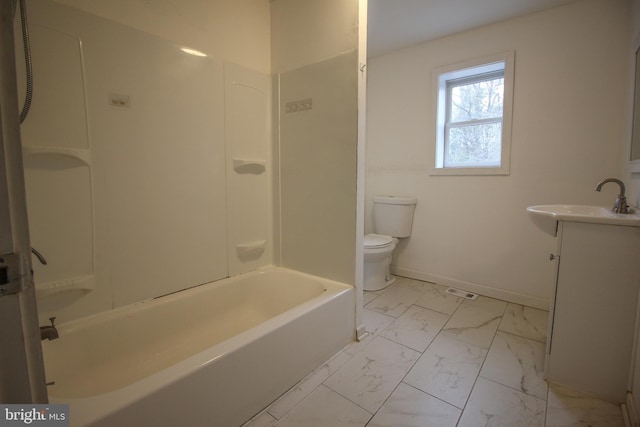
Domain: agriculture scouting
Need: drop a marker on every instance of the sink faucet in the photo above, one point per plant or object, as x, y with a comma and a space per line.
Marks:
49, 332
620, 205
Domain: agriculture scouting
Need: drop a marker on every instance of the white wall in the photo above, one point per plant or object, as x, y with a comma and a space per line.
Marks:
569, 128
308, 31
235, 30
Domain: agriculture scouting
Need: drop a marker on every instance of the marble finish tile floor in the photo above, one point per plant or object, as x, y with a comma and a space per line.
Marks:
434, 359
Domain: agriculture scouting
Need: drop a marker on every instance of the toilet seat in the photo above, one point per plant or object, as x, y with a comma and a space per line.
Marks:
377, 241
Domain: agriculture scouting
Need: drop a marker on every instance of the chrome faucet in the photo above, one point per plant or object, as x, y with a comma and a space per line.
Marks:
620, 206
49, 332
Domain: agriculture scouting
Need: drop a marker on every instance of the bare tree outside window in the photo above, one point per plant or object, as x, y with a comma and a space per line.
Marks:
474, 122
472, 117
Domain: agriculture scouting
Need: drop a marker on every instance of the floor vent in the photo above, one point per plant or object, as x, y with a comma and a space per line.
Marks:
463, 294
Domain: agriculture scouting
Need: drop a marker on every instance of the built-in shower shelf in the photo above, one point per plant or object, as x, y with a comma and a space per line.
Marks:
250, 249
249, 165
83, 155
82, 284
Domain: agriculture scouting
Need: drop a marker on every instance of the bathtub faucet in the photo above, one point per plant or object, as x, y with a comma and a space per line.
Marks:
49, 332
620, 205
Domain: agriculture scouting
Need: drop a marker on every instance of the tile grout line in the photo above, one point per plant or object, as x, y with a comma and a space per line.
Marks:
351, 401
421, 354
546, 406
379, 335
520, 333
417, 359
373, 336
481, 366
383, 403
306, 378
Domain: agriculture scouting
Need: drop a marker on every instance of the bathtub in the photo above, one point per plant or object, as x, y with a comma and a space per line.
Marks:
214, 355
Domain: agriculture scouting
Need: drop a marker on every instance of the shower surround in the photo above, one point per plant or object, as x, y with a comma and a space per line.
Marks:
152, 179
148, 170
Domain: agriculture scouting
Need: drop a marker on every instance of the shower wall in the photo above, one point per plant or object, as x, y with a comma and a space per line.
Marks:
147, 169
315, 67
318, 168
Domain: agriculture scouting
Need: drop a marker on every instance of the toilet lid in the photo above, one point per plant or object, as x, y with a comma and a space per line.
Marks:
377, 241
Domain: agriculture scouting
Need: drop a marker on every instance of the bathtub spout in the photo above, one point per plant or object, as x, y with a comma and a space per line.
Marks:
49, 332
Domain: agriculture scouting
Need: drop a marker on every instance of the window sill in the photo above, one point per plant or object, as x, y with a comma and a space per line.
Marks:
469, 171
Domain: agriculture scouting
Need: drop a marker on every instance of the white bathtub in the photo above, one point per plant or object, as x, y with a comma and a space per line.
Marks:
214, 355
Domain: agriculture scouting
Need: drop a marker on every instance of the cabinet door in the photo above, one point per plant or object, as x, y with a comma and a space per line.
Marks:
595, 309
555, 259
635, 365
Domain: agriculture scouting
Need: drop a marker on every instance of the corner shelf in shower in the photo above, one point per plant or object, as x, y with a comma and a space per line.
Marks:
251, 249
59, 188
83, 284
255, 166
84, 155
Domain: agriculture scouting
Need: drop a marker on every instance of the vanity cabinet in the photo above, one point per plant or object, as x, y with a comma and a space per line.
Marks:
593, 311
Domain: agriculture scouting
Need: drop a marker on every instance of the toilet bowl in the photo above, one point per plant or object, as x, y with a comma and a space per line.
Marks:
377, 259
392, 219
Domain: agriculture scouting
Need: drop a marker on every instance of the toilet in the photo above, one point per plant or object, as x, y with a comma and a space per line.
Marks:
392, 220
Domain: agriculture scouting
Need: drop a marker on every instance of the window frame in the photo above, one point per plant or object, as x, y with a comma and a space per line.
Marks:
441, 103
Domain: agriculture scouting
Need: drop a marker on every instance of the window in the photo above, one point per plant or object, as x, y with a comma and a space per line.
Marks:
473, 117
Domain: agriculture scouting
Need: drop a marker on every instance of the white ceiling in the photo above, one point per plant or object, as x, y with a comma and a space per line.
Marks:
394, 24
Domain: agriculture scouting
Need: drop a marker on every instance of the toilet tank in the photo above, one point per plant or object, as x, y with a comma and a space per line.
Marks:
393, 216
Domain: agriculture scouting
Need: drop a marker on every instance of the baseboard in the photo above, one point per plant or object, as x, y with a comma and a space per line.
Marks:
488, 291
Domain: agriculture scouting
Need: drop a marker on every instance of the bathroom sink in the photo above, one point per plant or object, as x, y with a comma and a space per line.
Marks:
546, 217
